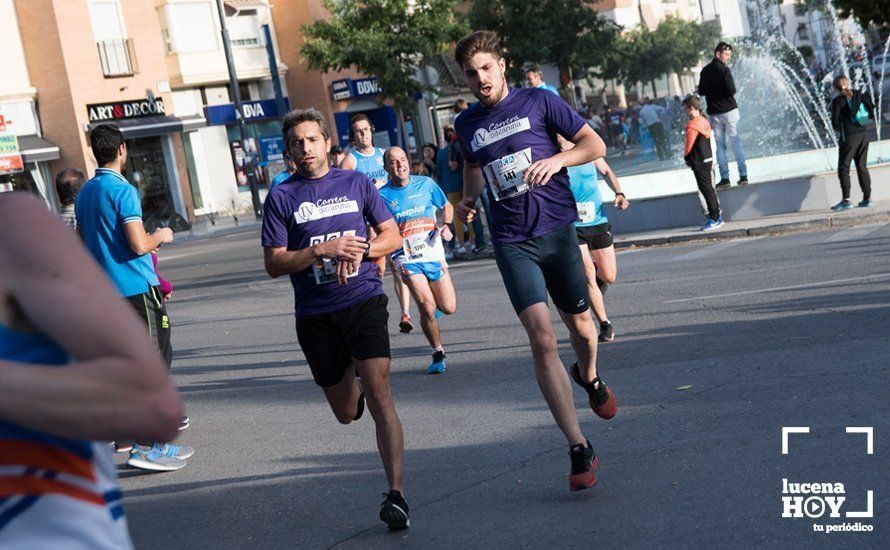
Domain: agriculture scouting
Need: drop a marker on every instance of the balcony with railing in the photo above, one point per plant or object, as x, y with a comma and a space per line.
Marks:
118, 58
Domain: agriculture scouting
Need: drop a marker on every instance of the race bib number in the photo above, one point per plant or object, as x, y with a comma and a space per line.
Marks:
587, 211
325, 269
418, 245
505, 174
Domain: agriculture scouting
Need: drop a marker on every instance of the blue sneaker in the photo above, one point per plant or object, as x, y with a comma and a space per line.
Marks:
866, 204
713, 224
843, 205
439, 313
438, 364
177, 451
152, 458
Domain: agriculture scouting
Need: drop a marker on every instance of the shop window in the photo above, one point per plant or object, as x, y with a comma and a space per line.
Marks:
244, 29
191, 26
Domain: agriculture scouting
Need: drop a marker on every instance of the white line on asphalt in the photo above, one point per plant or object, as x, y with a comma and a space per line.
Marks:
712, 249
853, 233
782, 288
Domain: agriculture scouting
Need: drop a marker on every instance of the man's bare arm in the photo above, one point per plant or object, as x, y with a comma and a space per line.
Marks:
348, 162
117, 387
142, 242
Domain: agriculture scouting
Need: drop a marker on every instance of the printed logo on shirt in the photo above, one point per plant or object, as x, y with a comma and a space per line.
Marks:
498, 131
325, 208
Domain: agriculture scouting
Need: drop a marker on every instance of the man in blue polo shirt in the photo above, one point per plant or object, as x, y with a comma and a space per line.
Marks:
109, 218
509, 146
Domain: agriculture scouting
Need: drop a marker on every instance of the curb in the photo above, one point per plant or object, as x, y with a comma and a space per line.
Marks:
838, 220
188, 236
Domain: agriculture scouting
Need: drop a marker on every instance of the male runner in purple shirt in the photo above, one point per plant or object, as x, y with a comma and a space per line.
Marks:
314, 231
509, 143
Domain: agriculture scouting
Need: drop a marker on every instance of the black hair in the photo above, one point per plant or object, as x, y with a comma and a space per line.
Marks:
721, 46
299, 116
106, 141
68, 183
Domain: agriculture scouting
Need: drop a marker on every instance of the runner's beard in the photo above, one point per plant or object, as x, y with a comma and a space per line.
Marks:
497, 90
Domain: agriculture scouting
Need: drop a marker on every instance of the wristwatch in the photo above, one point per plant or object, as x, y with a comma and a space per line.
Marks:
366, 255
622, 194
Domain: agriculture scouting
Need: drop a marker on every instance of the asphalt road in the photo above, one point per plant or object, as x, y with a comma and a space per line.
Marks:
765, 332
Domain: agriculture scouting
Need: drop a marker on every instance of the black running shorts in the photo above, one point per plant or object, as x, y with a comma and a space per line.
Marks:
595, 236
550, 264
330, 340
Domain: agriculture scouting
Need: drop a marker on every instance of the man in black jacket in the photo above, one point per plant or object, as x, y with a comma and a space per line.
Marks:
716, 84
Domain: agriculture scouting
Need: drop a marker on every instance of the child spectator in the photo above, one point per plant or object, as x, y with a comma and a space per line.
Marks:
697, 155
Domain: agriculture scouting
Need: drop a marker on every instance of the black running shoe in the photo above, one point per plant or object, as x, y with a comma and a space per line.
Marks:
360, 407
394, 511
601, 399
607, 333
722, 183
184, 423
584, 465
743, 180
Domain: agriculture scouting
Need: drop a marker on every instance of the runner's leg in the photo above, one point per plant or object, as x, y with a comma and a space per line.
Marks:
596, 297
390, 439
583, 337
443, 292
402, 292
343, 397
426, 303
550, 371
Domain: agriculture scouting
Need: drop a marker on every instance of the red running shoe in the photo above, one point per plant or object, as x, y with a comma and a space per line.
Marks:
584, 465
602, 401
405, 325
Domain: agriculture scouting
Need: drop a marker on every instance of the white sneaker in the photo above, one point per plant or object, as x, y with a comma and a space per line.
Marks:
154, 459
177, 451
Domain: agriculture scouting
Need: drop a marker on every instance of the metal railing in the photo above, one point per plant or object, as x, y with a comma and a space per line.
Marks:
118, 58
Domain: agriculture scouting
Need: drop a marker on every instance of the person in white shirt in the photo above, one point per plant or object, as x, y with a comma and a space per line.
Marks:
650, 118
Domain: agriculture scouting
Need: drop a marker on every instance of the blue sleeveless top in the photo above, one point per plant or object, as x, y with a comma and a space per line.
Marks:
372, 165
54, 492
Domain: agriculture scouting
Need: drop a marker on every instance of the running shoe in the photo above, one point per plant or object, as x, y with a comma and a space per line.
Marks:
438, 364
360, 408
722, 183
120, 447
153, 459
865, 203
449, 255
176, 451
438, 314
607, 333
843, 205
394, 511
601, 398
184, 423
584, 465
405, 325
743, 180
713, 224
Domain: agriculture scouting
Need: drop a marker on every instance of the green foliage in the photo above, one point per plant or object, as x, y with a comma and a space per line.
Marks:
388, 39
566, 33
864, 11
674, 46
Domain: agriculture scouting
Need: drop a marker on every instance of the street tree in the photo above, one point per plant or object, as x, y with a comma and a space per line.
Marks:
864, 11
387, 39
568, 34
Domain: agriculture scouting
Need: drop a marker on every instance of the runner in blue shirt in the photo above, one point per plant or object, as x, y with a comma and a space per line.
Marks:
509, 146
534, 76
595, 233
422, 213
367, 159
283, 176
314, 231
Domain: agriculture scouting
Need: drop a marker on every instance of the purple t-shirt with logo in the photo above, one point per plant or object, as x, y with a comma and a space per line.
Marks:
504, 140
310, 211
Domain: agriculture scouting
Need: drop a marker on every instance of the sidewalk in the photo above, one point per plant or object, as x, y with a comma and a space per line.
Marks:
769, 225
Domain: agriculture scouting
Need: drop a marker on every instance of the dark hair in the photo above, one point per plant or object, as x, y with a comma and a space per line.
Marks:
460, 105
534, 68
845, 90
431, 146
68, 183
299, 116
419, 169
106, 141
721, 46
693, 102
477, 42
335, 150
358, 118
448, 133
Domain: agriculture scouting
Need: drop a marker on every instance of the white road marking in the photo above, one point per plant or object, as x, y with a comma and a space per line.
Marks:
782, 288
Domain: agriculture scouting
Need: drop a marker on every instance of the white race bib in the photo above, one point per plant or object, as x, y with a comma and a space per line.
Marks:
587, 211
505, 174
325, 271
418, 245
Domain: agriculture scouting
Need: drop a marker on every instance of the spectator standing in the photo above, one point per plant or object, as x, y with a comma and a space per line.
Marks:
68, 184
429, 152
717, 86
534, 77
850, 112
697, 155
650, 118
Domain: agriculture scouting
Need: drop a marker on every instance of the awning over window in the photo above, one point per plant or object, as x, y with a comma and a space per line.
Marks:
36, 149
246, 4
155, 125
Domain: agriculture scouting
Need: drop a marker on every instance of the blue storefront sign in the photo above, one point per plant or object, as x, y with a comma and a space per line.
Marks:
351, 88
252, 110
271, 149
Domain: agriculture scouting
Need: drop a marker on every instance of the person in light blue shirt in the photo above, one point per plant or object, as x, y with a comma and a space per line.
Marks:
595, 233
534, 77
109, 218
422, 213
282, 176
